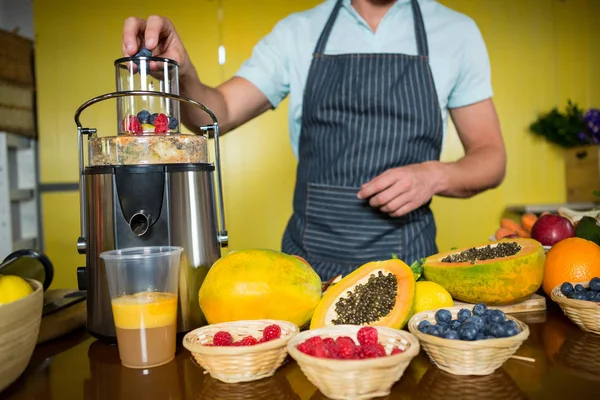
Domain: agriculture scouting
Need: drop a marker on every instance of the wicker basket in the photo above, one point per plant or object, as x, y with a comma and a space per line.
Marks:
232, 364
458, 357
356, 379
19, 328
585, 314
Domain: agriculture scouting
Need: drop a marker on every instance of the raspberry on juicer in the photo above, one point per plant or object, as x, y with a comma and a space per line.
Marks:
161, 124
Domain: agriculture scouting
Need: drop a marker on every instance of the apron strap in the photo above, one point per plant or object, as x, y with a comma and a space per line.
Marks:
320, 47
420, 32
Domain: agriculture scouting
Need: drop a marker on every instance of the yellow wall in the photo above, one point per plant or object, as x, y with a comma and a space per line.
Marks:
541, 54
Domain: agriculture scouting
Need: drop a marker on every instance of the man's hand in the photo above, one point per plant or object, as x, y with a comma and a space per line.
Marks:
158, 35
401, 190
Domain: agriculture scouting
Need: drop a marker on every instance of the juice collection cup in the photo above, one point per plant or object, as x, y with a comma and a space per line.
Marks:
143, 285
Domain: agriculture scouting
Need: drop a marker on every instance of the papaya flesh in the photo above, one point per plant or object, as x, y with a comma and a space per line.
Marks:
503, 272
378, 293
260, 284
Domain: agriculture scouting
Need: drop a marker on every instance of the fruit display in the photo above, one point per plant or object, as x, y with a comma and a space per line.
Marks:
480, 323
498, 273
224, 338
571, 260
345, 348
377, 293
13, 288
259, 284
512, 229
579, 292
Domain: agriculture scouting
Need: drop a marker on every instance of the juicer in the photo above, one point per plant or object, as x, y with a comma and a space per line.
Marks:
148, 185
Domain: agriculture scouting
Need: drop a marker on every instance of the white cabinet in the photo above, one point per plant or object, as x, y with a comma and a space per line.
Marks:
19, 197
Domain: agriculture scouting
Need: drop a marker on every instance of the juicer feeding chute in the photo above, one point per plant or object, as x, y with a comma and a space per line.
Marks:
149, 185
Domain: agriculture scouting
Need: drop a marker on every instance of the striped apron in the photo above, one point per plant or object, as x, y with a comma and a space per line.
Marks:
362, 115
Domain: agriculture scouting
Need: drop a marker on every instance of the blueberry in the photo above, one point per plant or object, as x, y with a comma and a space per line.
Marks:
173, 122
423, 325
435, 330
511, 324
444, 326
578, 296
510, 331
479, 309
477, 322
454, 325
463, 315
567, 289
152, 118
443, 316
480, 336
579, 288
451, 334
467, 332
498, 330
489, 337
496, 316
144, 52
143, 116
595, 284
590, 296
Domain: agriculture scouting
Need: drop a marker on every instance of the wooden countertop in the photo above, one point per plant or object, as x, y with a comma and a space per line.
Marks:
76, 366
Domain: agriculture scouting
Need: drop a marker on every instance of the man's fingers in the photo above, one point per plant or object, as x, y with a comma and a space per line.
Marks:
376, 185
133, 30
396, 203
156, 28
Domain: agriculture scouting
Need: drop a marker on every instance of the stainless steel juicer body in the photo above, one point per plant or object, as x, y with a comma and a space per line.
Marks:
142, 205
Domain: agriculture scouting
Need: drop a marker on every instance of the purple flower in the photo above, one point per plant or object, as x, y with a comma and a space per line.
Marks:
582, 136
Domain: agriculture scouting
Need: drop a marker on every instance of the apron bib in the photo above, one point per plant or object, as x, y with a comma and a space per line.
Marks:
362, 115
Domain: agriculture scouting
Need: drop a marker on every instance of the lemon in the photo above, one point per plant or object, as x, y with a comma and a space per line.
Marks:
13, 288
431, 296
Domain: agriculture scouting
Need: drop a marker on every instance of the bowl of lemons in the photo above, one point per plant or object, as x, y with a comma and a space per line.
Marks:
21, 302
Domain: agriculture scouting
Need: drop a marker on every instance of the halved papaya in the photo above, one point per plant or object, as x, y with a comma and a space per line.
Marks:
502, 272
377, 293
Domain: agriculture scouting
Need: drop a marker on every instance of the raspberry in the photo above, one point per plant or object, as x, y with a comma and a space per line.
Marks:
132, 124
321, 351
161, 124
332, 350
222, 338
272, 332
367, 335
371, 351
306, 348
248, 341
314, 341
262, 340
396, 351
328, 340
346, 347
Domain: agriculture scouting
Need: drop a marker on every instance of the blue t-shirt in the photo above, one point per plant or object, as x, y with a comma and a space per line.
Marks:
458, 56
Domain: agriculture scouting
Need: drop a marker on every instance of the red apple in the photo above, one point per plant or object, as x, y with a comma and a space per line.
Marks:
550, 229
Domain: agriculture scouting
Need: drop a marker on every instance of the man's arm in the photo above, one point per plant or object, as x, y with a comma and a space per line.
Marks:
483, 166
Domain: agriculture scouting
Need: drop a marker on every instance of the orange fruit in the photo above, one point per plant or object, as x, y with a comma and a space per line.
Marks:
574, 260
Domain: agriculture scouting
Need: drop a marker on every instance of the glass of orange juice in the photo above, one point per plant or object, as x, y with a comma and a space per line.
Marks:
143, 284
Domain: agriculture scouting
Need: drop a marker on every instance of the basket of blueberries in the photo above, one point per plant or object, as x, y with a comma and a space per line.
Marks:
580, 301
464, 341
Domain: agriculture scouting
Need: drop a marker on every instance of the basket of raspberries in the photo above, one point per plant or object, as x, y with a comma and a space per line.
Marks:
351, 361
241, 351
580, 301
463, 341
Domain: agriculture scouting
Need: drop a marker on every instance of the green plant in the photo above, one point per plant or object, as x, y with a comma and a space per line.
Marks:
566, 129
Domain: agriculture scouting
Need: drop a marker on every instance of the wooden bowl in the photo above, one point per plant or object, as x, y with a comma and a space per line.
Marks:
460, 357
232, 364
585, 314
19, 328
356, 379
